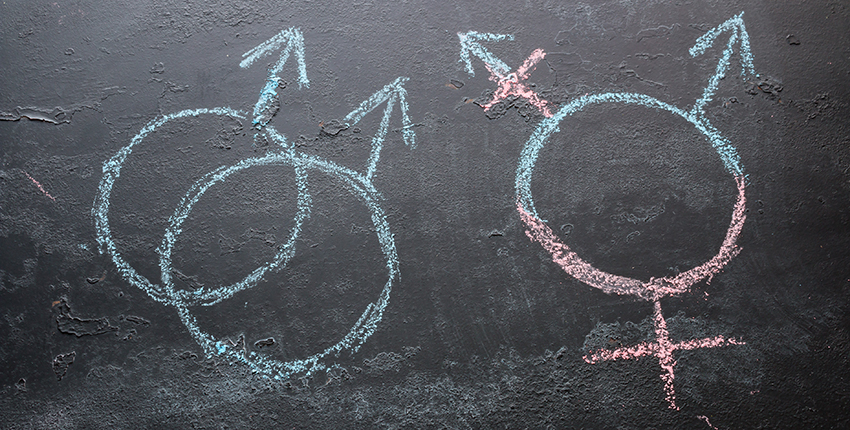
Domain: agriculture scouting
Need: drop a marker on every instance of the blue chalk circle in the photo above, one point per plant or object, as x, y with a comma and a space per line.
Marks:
695, 116
286, 157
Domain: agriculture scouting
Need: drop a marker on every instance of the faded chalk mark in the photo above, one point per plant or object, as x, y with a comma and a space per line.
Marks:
655, 288
38, 184
705, 418
283, 155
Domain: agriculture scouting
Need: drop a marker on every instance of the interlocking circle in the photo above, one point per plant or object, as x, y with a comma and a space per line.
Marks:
165, 292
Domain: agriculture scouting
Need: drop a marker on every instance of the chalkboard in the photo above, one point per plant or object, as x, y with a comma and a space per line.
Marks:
497, 214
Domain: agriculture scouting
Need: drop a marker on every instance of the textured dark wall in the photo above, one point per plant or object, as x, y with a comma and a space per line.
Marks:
481, 328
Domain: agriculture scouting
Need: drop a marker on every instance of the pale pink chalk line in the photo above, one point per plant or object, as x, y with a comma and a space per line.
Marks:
653, 290
663, 349
510, 85
705, 418
37, 184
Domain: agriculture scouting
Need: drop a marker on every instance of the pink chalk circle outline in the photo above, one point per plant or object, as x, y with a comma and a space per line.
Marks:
656, 288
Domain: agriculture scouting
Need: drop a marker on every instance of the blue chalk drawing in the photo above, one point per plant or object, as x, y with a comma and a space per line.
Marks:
294, 41
656, 288
356, 182
469, 45
695, 116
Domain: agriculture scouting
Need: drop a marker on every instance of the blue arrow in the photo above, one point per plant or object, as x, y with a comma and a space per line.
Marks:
294, 41
469, 45
738, 32
392, 93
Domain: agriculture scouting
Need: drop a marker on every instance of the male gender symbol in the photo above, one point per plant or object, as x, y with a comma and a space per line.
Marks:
285, 155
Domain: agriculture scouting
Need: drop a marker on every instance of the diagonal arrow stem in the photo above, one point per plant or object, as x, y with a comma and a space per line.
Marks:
268, 103
390, 94
736, 27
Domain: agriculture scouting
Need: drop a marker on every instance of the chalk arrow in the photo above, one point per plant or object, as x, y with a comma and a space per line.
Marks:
392, 93
737, 33
293, 40
469, 45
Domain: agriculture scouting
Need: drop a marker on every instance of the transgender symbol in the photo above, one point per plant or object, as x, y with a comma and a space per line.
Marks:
285, 155
656, 288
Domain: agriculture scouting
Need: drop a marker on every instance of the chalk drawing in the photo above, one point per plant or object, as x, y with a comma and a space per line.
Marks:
469, 45
509, 84
356, 182
38, 184
705, 418
655, 288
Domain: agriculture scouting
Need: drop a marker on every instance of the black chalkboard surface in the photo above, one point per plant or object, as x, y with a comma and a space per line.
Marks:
425, 215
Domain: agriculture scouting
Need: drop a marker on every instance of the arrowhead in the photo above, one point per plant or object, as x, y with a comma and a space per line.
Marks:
294, 40
469, 44
268, 104
391, 93
735, 26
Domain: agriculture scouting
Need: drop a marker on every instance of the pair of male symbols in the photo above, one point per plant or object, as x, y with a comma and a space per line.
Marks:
290, 42
510, 84
284, 155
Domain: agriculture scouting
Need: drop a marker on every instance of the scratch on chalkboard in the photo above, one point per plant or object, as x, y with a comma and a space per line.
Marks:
80, 327
57, 115
61, 363
40, 187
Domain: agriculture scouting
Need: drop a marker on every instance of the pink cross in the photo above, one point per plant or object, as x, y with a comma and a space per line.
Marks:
510, 85
663, 349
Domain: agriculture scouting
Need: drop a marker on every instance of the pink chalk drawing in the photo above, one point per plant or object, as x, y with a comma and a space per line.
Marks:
509, 84
512, 85
655, 289
37, 184
705, 418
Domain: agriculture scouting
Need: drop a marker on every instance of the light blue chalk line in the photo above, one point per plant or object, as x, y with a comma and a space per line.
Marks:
210, 296
359, 184
391, 93
735, 26
366, 324
469, 45
528, 158
728, 154
111, 172
294, 41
